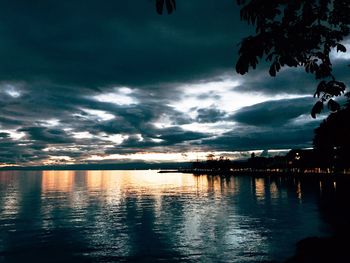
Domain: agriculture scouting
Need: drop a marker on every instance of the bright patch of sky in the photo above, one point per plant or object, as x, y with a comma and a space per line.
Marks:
175, 157
12, 90
50, 123
214, 128
140, 137
152, 157
341, 55
220, 95
120, 96
82, 135
98, 114
15, 135
61, 148
306, 118
157, 140
163, 122
115, 138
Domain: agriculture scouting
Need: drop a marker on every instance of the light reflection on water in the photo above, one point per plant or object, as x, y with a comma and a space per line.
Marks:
143, 216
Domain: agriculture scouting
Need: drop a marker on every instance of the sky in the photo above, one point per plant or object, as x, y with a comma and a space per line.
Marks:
85, 81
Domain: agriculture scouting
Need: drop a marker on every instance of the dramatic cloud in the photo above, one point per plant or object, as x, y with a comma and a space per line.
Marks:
85, 81
89, 43
274, 113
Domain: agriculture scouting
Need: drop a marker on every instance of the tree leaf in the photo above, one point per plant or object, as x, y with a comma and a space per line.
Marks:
335, 88
320, 88
341, 48
272, 70
317, 108
333, 105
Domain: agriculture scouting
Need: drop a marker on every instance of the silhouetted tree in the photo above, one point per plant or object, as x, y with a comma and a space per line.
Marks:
294, 33
297, 33
332, 139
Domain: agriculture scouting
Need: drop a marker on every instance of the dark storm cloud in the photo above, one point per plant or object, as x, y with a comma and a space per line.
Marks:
286, 137
134, 119
292, 81
9, 122
171, 139
289, 80
66, 108
89, 43
274, 113
57, 56
210, 115
4, 135
14, 152
177, 135
41, 134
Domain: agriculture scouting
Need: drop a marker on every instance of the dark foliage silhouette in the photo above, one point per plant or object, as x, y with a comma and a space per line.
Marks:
297, 34
170, 6
332, 139
294, 33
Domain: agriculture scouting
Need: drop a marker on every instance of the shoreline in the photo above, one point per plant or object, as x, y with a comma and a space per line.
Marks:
260, 173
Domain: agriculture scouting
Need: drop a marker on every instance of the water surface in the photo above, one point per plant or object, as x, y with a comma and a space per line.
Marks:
144, 216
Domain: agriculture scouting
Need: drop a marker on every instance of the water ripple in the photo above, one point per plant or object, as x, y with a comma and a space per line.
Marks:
142, 216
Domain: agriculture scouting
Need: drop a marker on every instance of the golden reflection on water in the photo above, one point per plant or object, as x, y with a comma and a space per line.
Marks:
60, 181
130, 213
145, 182
260, 188
263, 187
298, 191
273, 190
115, 185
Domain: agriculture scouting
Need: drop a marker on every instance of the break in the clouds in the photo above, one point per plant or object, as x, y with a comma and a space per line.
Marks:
86, 81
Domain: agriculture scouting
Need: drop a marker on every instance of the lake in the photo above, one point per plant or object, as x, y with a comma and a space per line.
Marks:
144, 216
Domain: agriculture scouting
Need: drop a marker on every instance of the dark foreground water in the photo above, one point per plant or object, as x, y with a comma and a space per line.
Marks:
143, 216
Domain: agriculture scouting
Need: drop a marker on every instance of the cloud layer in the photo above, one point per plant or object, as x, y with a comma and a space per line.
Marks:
83, 81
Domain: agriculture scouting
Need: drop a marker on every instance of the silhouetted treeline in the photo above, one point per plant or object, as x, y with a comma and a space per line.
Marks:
220, 164
332, 139
299, 161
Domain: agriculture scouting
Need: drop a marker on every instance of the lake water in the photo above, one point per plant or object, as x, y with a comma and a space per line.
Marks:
144, 216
